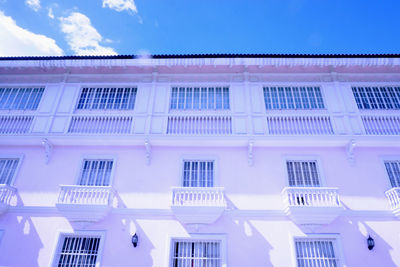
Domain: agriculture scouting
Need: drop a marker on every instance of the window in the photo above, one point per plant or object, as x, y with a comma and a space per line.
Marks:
303, 173
196, 253
377, 97
8, 168
316, 252
293, 98
107, 98
20, 98
393, 170
199, 98
78, 250
198, 173
96, 172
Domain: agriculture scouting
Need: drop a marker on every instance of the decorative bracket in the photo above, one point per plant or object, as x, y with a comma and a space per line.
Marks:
147, 146
250, 156
48, 150
350, 151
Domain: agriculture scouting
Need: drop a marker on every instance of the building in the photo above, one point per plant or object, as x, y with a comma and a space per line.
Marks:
200, 160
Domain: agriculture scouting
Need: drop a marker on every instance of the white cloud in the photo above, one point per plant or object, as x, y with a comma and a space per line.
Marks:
82, 37
34, 4
120, 5
50, 13
16, 41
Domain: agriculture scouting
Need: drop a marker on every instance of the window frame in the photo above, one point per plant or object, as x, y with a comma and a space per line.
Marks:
77, 233
317, 159
291, 85
197, 237
383, 159
203, 111
104, 110
20, 158
338, 245
376, 85
199, 158
24, 86
96, 157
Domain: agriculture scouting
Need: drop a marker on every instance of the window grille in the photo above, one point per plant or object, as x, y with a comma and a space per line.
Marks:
96, 172
377, 97
200, 98
20, 98
316, 252
293, 98
196, 253
303, 173
198, 173
393, 170
107, 98
78, 251
7, 170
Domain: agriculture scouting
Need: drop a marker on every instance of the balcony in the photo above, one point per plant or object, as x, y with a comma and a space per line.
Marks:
198, 205
312, 205
85, 203
393, 195
6, 194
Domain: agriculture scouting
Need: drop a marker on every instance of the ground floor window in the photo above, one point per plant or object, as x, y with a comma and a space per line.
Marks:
78, 250
196, 253
316, 252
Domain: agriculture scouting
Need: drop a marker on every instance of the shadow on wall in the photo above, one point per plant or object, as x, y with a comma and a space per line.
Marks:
21, 244
118, 248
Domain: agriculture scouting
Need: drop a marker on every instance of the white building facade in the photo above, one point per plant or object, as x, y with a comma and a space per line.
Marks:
200, 161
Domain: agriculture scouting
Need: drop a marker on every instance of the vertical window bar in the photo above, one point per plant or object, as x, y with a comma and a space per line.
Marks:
267, 98
226, 98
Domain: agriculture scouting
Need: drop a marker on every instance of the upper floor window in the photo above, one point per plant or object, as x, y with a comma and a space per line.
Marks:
316, 252
96, 172
20, 98
78, 250
198, 173
107, 98
303, 173
196, 253
8, 168
293, 98
393, 170
377, 97
200, 98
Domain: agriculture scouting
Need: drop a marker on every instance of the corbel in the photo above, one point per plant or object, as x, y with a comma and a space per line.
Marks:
147, 146
350, 151
48, 150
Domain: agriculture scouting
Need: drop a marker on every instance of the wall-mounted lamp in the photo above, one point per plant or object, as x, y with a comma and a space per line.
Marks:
135, 240
370, 242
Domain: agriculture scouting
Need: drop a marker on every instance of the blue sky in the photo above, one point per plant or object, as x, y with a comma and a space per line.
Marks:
89, 27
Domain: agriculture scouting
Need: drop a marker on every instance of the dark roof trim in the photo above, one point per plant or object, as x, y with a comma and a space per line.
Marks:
206, 56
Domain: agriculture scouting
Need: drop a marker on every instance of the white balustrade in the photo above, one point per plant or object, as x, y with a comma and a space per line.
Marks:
311, 196
85, 195
101, 124
198, 196
294, 125
381, 125
15, 124
6, 194
199, 125
393, 195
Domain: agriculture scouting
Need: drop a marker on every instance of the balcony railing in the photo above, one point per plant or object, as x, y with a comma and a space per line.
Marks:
381, 125
311, 196
85, 195
198, 196
101, 124
6, 194
299, 125
393, 195
15, 124
199, 125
